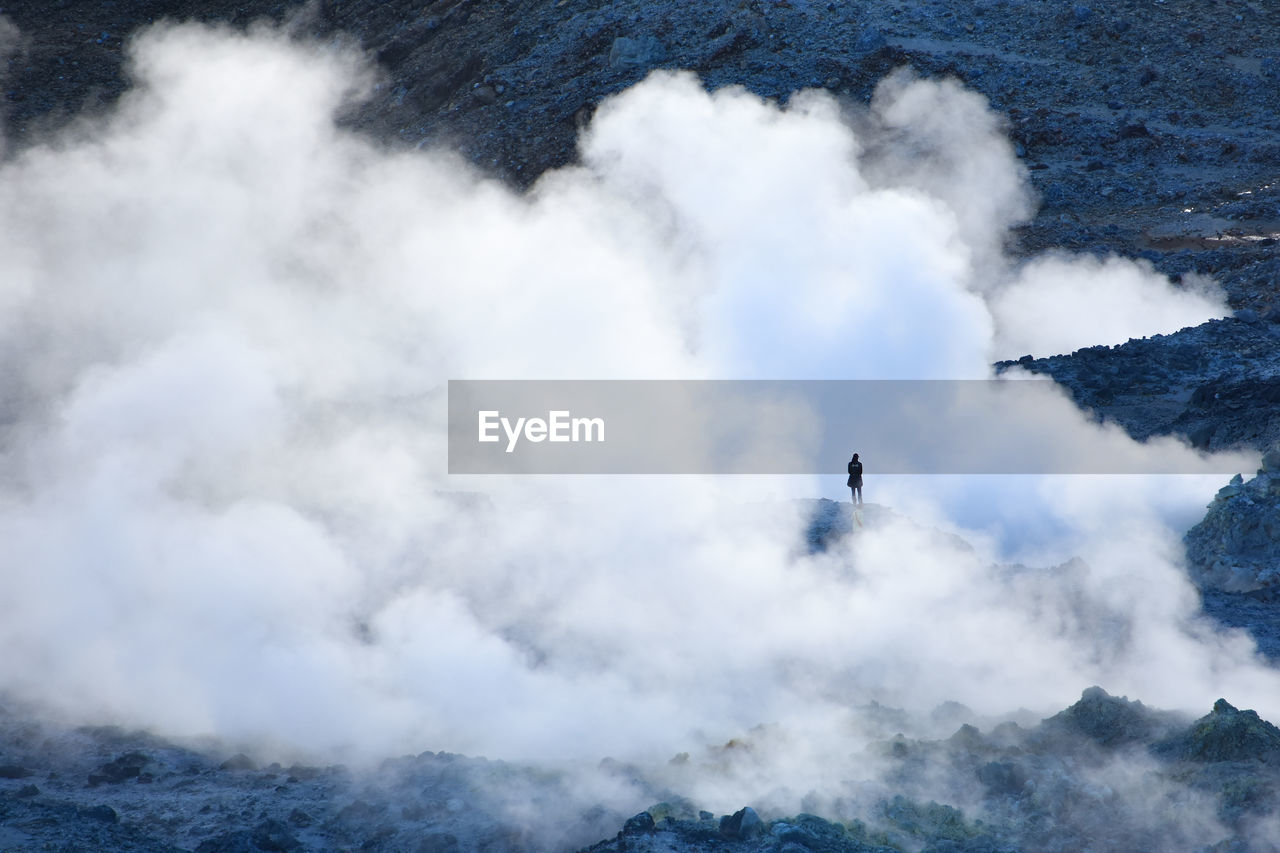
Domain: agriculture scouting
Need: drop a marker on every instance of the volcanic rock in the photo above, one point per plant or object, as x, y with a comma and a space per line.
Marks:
1236, 547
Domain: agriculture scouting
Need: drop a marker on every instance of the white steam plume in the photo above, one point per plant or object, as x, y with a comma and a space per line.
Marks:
226, 327
1058, 304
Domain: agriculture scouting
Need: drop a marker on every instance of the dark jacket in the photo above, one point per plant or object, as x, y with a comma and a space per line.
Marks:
855, 474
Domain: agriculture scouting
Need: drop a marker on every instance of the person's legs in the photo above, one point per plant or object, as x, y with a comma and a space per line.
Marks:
857, 493
853, 499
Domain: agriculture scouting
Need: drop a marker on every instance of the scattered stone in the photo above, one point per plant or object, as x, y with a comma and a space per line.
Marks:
928, 820
1224, 734
1236, 546
304, 773
1003, 778
105, 814
968, 737
809, 832
677, 808
1109, 721
274, 836
120, 769
361, 810
13, 771
229, 842
635, 53
744, 823
239, 761
870, 40
438, 842
638, 825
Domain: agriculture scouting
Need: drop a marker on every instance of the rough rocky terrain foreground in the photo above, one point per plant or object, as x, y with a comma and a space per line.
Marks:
1105, 774
1148, 129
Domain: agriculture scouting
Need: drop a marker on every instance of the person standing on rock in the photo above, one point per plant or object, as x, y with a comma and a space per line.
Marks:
855, 480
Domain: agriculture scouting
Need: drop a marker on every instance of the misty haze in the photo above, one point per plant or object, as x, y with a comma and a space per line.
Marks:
245, 606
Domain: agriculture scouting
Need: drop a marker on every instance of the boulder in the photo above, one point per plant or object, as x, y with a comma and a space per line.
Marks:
639, 825
1002, 778
744, 823
239, 761
629, 52
1224, 734
809, 832
274, 836
1236, 546
120, 769
676, 808
1109, 721
105, 814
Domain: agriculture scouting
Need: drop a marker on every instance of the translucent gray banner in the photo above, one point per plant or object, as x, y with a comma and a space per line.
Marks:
792, 427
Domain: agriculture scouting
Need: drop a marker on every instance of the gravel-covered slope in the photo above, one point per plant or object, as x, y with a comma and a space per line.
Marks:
1128, 113
1217, 385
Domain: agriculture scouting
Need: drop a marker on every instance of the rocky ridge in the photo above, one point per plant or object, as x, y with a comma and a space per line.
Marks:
1065, 784
1236, 547
1106, 772
1216, 385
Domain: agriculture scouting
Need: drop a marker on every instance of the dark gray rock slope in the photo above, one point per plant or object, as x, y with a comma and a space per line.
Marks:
1236, 548
1104, 774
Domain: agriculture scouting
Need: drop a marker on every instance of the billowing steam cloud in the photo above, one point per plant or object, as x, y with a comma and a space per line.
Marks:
226, 326
1096, 302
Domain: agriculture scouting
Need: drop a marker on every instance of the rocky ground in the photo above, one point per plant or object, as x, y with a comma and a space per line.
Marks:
104, 789
1034, 793
1104, 774
1148, 128
1217, 384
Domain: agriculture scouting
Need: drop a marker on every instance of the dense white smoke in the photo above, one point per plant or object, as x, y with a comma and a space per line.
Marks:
1059, 304
226, 326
